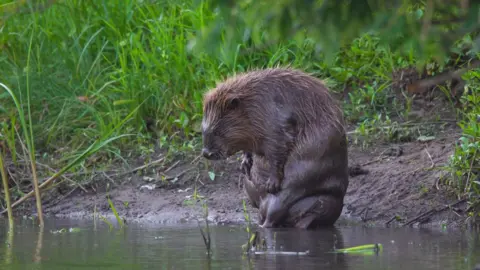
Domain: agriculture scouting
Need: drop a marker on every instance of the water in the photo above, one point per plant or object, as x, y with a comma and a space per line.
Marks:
149, 247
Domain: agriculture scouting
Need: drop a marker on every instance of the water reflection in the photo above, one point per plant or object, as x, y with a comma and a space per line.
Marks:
9, 245
38, 250
144, 247
319, 244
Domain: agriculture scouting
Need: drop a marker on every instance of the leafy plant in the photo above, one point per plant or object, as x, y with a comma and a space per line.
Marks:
429, 27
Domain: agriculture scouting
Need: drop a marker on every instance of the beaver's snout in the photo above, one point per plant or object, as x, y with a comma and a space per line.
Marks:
208, 154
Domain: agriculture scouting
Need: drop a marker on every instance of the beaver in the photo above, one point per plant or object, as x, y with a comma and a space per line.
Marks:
292, 135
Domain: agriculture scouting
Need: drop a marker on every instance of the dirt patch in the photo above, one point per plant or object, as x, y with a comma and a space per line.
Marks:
404, 181
149, 198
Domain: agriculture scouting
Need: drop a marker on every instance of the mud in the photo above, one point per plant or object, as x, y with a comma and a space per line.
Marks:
395, 183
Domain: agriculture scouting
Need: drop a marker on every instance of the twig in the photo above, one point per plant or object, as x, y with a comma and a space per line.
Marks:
24, 148
436, 183
198, 179
70, 192
82, 173
390, 220
373, 161
431, 160
423, 167
196, 159
139, 168
109, 178
474, 205
28, 195
452, 205
432, 212
382, 157
422, 85
171, 167
406, 124
55, 176
426, 214
364, 218
178, 175
66, 195
13, 178
64, 176
31, 193
239, 181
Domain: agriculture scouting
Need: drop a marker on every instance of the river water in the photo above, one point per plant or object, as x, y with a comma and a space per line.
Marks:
96, 246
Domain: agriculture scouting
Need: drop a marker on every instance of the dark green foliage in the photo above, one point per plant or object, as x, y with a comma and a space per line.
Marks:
423, 28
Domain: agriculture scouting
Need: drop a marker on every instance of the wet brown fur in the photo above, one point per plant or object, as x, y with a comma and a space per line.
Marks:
291, 131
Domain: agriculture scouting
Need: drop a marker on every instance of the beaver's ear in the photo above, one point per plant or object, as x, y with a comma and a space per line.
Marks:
233, 103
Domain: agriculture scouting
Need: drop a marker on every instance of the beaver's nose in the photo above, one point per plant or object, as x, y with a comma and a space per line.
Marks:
206, 153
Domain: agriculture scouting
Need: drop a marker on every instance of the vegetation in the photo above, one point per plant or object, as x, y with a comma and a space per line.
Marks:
89, 73
421, 29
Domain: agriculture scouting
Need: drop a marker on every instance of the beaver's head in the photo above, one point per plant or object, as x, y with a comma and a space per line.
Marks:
225, 124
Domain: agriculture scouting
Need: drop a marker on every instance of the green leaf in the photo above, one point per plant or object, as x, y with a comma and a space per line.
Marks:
419, 13
211, 175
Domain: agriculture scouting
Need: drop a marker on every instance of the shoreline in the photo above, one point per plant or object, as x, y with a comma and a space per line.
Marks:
396, 184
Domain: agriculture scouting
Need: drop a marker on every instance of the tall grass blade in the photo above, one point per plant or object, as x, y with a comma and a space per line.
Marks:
30, 142
7, 192
115, 213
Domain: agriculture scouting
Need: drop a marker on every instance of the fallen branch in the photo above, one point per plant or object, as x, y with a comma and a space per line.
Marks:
391, 220
28, 195
139, 168
65, 196
56, 175
373, 161
426, 214
167, 178
196, 159
404, 125
64, 176
171, 167
432, 212
382, 157
431, 159
422, 85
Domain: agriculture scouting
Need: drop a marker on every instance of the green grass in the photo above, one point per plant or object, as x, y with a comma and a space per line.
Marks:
464, 164
100, 69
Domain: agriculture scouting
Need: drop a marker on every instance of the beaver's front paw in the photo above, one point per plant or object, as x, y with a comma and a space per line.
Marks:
247, 163
273, 184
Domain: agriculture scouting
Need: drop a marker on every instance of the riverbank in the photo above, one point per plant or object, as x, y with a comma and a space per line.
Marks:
392, 183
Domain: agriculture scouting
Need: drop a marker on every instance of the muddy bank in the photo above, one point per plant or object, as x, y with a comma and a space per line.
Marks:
393, 184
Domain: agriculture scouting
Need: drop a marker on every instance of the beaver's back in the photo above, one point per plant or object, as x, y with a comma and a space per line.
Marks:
292, 93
